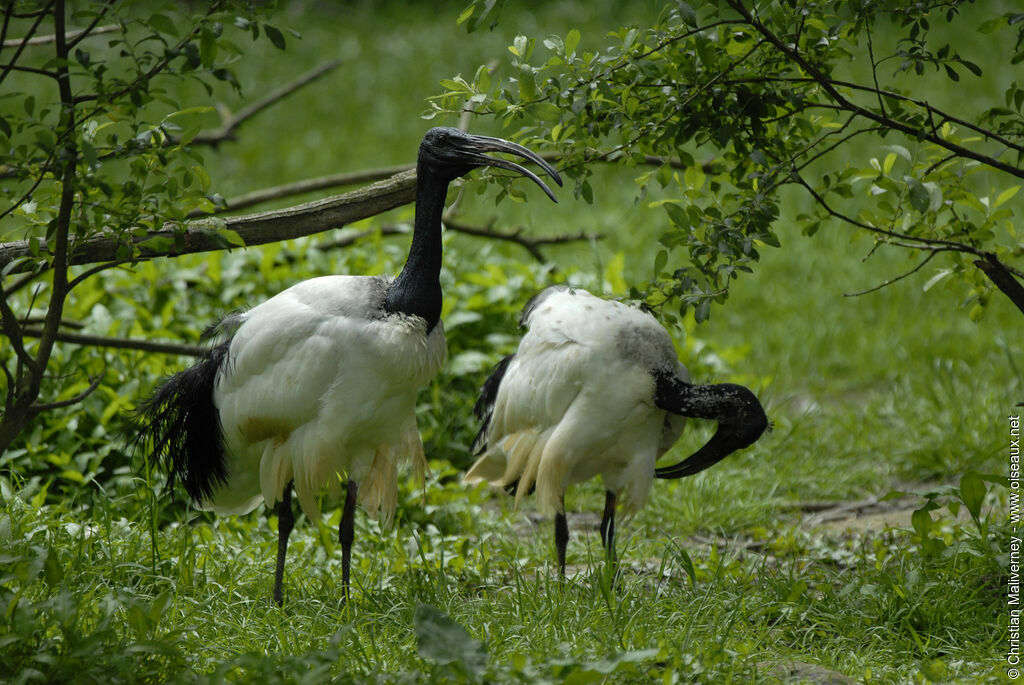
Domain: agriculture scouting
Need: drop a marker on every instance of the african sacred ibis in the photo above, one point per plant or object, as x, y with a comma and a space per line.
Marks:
595, 388
315, 388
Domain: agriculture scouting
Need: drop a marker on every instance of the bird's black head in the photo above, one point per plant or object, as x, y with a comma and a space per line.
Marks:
740, 416
450, 153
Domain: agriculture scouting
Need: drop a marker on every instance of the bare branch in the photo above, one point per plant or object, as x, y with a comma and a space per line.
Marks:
307, 186
122, 343
203, 235
23, 43
228, 127
94, 29
530, 243
92, 272
73, 37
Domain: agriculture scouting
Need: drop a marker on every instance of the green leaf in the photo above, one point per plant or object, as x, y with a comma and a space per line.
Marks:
660, 260
688, 15
163, 24
679, 216
275, 36
972, 492
231, 237
443, 641
920, 198
702, 310
922, 522
890, 159
466, 14
572, 40
207, 48
1005, 195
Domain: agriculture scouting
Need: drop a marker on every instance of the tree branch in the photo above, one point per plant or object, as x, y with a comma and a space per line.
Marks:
530, 243
257, 197
1002, 278
203, 235
122, 343
73, 37
286, 190
946, 245
23, 42
233, 121
830, 89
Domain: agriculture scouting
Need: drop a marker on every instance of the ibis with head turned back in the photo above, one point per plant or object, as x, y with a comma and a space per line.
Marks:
315, 389
595, 388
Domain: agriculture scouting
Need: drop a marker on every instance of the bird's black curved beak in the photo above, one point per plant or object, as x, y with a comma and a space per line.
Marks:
475, 146
741, 420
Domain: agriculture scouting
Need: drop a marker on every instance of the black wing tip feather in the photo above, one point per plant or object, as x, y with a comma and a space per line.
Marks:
177, 428
484, 407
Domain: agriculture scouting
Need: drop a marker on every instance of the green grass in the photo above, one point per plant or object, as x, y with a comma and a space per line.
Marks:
721, 580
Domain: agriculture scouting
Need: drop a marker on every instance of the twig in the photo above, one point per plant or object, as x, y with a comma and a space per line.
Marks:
39, 408
946, 245
227, 128
64, 323
889, 282
528, 242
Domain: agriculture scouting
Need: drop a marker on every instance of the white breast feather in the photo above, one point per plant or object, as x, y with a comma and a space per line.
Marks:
320, 386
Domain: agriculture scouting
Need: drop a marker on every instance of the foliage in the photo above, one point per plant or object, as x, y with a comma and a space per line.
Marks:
740, 100
721, 580
92, 143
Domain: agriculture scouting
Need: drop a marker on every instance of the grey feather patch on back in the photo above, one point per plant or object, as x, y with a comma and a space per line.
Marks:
650, 347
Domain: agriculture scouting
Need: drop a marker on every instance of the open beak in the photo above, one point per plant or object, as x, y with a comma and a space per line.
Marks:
474, 153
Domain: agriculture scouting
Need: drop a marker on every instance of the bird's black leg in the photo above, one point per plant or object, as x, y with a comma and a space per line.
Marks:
561, 539
285, 523
608, 525
346, 532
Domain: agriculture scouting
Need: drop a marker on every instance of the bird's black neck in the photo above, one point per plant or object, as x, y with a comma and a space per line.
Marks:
417, 290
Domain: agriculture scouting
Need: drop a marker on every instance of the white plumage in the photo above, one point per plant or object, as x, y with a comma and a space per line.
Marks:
595, 388
314, 387
577, 401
